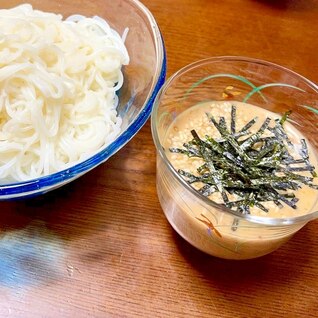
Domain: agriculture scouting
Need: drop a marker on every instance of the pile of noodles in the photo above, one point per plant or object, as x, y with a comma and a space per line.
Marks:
58, 83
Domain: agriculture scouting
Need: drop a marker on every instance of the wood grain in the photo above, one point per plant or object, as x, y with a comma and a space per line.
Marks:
101, 246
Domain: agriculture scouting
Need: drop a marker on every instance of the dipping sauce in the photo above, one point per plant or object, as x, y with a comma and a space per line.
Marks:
211, 229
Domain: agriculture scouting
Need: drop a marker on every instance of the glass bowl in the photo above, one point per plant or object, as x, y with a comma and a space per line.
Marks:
143, 78
209, 226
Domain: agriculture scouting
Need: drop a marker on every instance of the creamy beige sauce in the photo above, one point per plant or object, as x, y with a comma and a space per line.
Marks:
196, 118
207, 228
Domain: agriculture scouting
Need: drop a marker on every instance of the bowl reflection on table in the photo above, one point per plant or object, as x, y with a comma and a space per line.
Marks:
205, 224
143, 77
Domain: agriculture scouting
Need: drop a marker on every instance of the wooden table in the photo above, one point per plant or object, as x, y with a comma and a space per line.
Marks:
101, 246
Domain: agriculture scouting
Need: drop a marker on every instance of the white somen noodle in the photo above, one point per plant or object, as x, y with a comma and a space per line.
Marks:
58, 83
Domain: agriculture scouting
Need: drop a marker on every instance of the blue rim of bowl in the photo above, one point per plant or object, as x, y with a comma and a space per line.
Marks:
269, 221
34, 186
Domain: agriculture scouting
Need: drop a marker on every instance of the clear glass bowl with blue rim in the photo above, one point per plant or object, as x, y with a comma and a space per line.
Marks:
143, 78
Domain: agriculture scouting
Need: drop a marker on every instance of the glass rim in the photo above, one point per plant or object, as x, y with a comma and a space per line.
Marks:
270, 221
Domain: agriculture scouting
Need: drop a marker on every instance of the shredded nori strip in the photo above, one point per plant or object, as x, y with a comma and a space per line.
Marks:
233, 120
255, 137
305, 156
249, 125
257, 169
285, 117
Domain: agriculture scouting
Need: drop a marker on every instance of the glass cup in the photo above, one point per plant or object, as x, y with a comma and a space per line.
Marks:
209, 226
